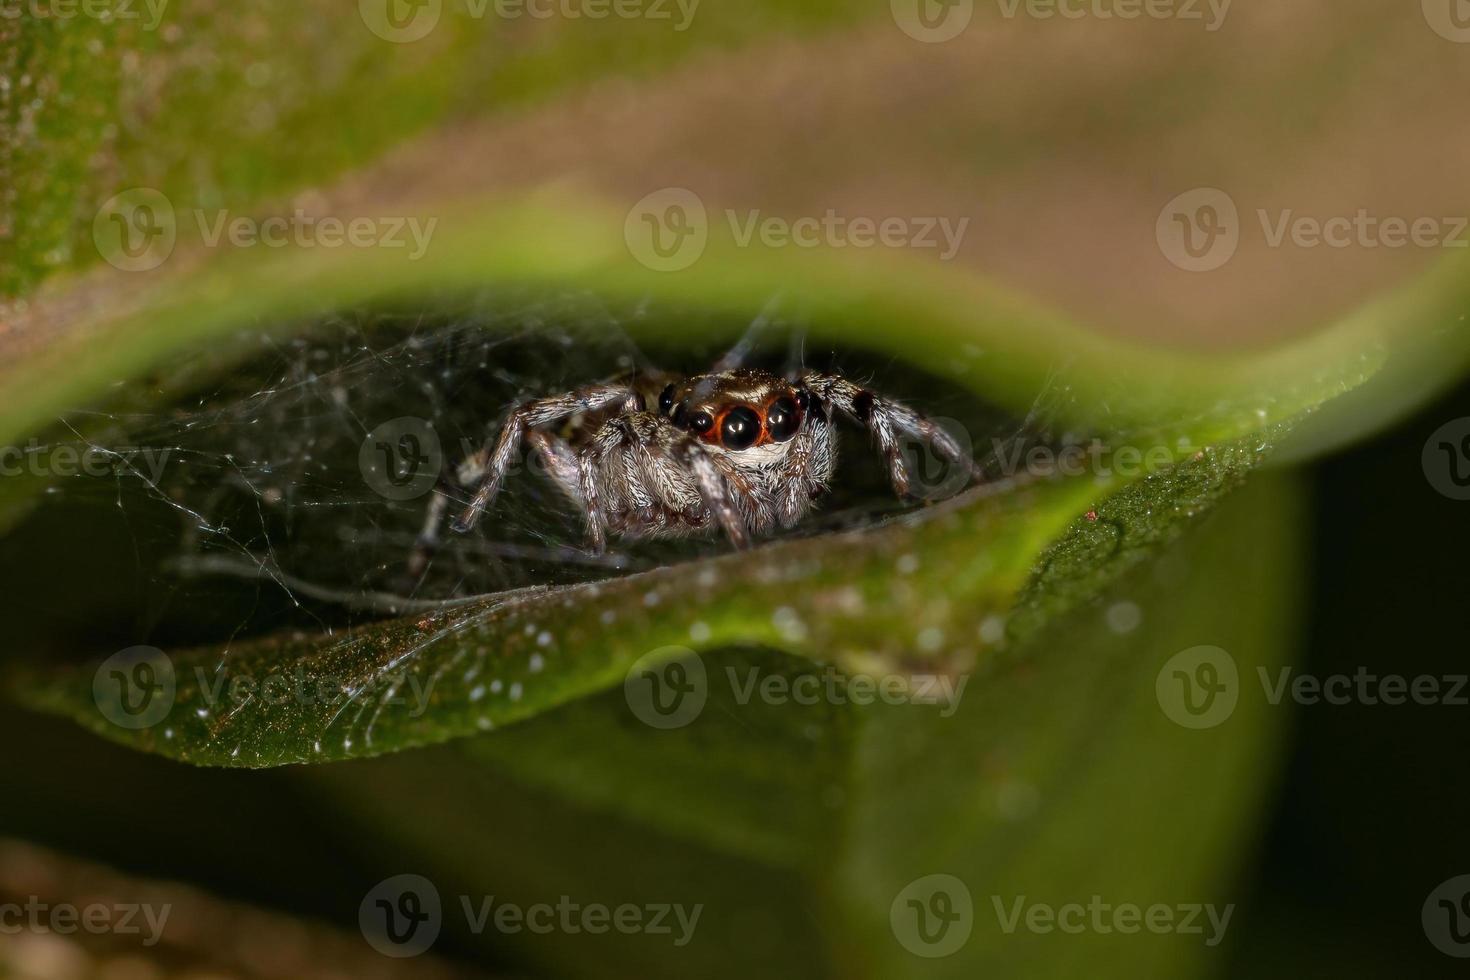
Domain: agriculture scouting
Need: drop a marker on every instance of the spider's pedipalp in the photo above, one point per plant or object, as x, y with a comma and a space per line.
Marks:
716, 492
606, 440
810, 462
639, 475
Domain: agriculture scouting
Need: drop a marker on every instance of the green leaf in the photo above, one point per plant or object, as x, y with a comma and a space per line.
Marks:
487, 662
1080, 721
1059, 777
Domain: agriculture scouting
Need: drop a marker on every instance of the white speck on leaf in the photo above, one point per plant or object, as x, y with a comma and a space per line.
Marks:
1124, 617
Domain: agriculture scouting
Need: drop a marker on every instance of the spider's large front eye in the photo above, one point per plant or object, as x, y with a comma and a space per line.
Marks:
741, 428
781, 419
666, 401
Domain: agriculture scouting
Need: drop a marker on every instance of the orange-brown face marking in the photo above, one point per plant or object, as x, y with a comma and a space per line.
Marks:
739, 427
736, 411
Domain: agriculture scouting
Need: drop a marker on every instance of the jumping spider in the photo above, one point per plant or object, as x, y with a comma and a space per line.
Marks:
742, 448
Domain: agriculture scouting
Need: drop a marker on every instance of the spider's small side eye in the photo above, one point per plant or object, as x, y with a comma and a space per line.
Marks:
741, 428
781, 419
666, 400
701, 422
803, 399
679, 414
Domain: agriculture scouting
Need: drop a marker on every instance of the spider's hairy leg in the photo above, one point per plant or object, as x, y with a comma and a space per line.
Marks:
716, 490
610, 477
606, 440
671, 483
427, 543
887, 420
537, 413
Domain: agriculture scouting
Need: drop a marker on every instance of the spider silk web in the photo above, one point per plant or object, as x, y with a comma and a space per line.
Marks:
269, 498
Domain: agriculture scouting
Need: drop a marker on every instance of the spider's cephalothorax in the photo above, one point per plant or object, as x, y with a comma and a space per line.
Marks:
743, 450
